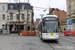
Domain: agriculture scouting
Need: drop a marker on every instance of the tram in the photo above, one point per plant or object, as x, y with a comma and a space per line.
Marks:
48, 27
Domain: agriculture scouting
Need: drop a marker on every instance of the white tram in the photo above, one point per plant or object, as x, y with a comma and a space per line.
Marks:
48, 27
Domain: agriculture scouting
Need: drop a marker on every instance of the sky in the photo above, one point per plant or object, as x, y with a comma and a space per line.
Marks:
41, 5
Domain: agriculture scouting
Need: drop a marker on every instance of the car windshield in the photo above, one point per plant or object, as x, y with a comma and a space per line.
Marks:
50, 27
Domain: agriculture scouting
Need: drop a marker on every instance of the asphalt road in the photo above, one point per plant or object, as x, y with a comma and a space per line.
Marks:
15, 42
48, 45
37, 44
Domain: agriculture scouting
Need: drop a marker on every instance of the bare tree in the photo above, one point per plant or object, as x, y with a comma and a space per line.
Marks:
18, 1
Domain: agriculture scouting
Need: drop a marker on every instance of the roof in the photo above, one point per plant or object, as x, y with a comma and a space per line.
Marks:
47, 16
50, 16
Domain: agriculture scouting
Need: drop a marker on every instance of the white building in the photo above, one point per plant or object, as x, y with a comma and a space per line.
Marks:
9, 16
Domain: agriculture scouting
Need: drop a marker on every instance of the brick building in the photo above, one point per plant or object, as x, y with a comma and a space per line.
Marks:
36, 23
61, 16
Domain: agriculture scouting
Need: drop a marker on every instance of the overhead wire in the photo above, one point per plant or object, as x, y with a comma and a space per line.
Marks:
42, 7
49, 2
62, 6
47, 5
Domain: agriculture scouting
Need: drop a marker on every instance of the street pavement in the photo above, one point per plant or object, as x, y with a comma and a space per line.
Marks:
15, 42
68, 37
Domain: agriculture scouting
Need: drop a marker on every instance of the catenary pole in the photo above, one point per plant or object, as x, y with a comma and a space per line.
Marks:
69, 14
19, 18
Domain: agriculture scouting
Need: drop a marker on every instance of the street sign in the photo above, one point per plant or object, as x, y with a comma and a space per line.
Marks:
7, 15
70, 22
70, 26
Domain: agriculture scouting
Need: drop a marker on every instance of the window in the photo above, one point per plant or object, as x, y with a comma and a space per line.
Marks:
11, 7
22, 7
17, 16
3, 8
22, 16
73, 20
3, 16
11, 16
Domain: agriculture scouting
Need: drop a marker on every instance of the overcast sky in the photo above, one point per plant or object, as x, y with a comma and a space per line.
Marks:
39, 4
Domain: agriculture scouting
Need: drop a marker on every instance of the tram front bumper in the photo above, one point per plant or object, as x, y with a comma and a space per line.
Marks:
51, 38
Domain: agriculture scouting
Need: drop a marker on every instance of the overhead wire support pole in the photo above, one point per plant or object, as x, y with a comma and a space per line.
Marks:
27, 19
69, 14
70, 10
19, 18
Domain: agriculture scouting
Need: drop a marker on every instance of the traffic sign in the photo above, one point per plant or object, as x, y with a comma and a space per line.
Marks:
70, 22
70, 26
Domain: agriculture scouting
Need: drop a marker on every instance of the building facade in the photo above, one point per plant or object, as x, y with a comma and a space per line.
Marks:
72, 13
36, 23
61, 16
9, 16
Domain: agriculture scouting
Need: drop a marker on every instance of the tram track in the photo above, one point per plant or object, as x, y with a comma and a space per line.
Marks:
56, 46
51, 47
67, 39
